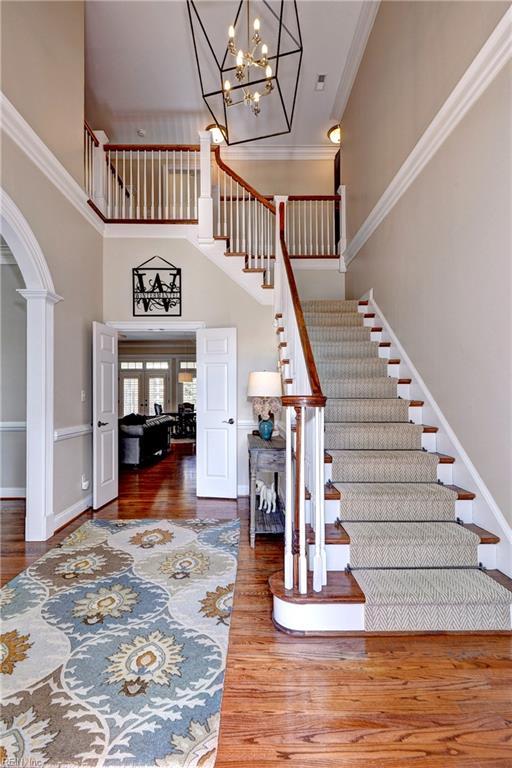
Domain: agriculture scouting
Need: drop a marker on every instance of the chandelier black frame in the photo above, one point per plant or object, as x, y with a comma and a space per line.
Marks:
225, 67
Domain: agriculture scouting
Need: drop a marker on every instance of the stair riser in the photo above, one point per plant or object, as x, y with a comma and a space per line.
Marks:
428, 442
338, 556
444, 473
332, 509
326, 617
416, 414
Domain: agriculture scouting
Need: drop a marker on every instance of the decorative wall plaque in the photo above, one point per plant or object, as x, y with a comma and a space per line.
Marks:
156, 289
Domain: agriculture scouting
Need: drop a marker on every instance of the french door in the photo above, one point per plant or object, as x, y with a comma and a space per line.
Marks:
140, 390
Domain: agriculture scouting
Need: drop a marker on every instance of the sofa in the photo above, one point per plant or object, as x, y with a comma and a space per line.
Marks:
142, 438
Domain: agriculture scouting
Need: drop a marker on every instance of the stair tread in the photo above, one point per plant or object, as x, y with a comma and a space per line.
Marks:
443, 459
338, 534
412, 490
341, 587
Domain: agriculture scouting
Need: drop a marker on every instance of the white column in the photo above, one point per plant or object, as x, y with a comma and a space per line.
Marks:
205, 203
99, 172
40, 345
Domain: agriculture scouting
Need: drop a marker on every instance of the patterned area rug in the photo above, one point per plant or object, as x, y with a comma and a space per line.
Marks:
113, 646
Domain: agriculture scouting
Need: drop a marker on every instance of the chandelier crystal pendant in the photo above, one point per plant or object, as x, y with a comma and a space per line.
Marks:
259, 58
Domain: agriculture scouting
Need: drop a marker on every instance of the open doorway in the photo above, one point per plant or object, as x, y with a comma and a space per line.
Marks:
163, 389
157, 394
13, 382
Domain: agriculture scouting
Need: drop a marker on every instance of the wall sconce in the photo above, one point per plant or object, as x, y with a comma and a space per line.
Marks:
217, 132
334, 134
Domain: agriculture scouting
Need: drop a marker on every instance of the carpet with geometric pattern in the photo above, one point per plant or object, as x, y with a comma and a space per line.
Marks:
418, 569
113, 646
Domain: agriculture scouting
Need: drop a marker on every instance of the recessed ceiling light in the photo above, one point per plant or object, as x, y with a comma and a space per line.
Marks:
334, 134
217, 131
141, 132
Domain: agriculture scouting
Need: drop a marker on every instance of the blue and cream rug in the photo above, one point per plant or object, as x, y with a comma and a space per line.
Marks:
113, 646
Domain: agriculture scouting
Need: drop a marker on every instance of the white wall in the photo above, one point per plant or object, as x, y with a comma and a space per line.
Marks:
208, 295
13, 330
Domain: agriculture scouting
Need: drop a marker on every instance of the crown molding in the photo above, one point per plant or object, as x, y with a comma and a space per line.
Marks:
16, 127
487, 64
304, 152
355, 54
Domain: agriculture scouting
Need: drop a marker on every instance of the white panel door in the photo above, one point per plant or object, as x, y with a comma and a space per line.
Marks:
104, 415
216, 413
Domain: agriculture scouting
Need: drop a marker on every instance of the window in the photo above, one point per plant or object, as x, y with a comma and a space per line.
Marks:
156, 392
129, 366
161, 365
188, 365
189, 392
130, 396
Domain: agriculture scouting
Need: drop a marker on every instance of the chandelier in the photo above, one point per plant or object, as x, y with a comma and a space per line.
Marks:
256, 56
260, 58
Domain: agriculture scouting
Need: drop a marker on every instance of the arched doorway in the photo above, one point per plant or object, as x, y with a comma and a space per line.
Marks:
41, 298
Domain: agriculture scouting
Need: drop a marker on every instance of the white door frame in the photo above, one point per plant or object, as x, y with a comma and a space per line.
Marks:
41, 298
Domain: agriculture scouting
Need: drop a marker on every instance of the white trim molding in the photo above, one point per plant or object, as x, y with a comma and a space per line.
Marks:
487, 64
23, 246
69, 514
155, 326
487, 513
19, 131
67, 433
13, 426
269, 152
13, 493
355, 54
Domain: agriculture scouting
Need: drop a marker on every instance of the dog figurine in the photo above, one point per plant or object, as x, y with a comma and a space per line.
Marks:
267, 496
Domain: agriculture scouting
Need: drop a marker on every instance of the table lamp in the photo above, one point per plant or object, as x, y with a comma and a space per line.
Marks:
265, 389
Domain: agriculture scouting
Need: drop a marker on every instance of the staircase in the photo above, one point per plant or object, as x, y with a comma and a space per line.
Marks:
401, 551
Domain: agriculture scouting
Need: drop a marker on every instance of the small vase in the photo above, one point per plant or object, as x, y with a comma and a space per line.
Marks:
265, 428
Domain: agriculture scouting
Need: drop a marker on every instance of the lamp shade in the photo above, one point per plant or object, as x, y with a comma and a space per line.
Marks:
185, 377
264, 384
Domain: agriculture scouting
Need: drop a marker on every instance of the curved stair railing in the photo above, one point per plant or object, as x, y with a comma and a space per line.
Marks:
245, 218
304, 404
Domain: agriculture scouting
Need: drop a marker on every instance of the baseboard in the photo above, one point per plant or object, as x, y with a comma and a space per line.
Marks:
69, 514
13, 493
486, 511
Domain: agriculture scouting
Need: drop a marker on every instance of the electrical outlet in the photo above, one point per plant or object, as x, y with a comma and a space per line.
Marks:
82, 396
85, 483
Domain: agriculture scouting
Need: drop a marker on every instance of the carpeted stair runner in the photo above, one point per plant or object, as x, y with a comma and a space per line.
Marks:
375, 387
373, 437
351, 466
411, 545
337, 334
408, 502
333, 350
433, 600
416, 566
367, 410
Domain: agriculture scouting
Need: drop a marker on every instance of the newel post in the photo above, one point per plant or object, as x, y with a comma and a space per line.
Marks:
205, 202
99, 173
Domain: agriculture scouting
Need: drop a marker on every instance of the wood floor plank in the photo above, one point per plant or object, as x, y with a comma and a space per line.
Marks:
356, 702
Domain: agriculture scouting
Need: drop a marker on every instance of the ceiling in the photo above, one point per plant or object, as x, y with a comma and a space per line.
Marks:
141, 71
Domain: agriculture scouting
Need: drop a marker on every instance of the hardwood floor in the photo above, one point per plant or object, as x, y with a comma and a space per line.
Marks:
372, 702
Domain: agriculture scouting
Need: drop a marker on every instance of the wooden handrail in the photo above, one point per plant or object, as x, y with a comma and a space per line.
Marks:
91, 133
150, 147
292, 198
317, 397
230, 172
